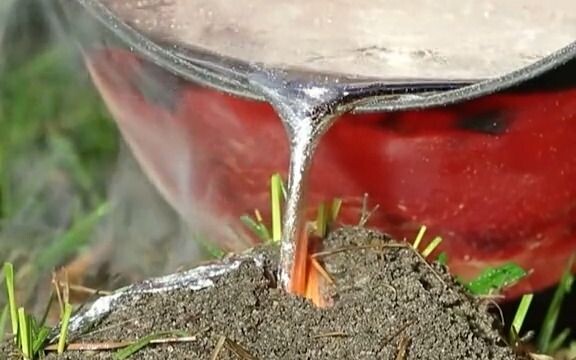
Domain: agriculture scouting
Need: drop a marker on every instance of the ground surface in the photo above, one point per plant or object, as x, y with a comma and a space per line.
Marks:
385, 300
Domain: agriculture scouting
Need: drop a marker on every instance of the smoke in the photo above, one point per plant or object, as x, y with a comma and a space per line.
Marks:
61, 160
4, 7
147, 235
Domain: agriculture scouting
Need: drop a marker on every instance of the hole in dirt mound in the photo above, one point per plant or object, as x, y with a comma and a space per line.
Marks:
382, 311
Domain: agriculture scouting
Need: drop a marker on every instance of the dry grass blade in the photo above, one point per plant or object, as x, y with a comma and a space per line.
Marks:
175, 340
541, 357
402, 352
397, 333
113, 326
238, 350
322, 271
47, 308
114, 345
332, 252
427, 264
381, 248
432, 246
66, 289
92, 346
365, 215
498, 308
87, 290
330, 334
419, 237
58, 292
145, 341
351, 248
218, 348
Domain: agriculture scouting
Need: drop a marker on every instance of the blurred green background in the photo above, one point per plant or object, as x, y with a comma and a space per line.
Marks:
71, 195
58, 146
70, 192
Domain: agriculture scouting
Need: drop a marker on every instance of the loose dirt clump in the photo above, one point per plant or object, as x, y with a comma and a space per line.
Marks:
387, 304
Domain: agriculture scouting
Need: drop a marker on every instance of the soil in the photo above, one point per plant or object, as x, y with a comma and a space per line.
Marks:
387, 304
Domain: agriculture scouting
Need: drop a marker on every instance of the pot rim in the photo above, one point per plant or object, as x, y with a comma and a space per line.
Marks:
232, 76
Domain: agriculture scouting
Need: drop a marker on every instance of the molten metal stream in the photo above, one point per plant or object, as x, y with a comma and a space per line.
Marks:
307, 110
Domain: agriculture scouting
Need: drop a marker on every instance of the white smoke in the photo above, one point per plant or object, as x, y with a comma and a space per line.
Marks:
49, 184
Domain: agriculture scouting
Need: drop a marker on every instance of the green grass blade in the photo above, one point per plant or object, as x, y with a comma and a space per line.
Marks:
64, 327
130, 350
33, 329
9, 279
520, 315
419, 237
276, 196
47, 309
322, 220
257, 228
571, 350
496, 279
72, 239
442, 258
432, 246
335, 209
209, 247
558, 341
6, 206
551, 318
3, 321
24, 333
40, 339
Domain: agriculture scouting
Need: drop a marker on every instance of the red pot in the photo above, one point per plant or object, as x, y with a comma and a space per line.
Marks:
494, 175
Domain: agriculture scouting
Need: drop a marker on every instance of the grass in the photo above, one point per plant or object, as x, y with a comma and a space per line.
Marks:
141, 343
10, 291
419, 237
257, 223
520, 316
276, 196
432, 246
3, 321
31, 336
327, 213
28, 334
257, 226
547, 342
494, 279
65, 320
491, 280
